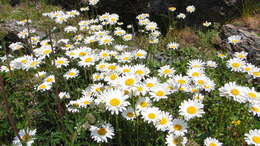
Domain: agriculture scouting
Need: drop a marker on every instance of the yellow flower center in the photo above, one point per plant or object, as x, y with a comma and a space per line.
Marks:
200, 82
167, 71
151, 116
126, 70
181, 81
234, 41
24, 61
102, 131
139, 54
140, 88
149, 85
126, 58
42, 86
257, 74
50, 80
104, 54
71, 73
25, 137
143, 104
247, 68
139, 72
251, 95
115, 102
113, 76
112, 67
101, 66
82, 53
89, 59
86, 102
212, 144
192, 110
235, 92
98, 89
235, 65
175, 141
163, 121
60, 62
195, 74
129, 82
45, 52
177, 127
160, 93
256, 139
255, 109
130, 114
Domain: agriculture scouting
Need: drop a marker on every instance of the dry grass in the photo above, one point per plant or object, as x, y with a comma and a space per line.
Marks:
252, 22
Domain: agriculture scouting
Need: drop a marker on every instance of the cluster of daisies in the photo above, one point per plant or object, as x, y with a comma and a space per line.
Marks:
189, 9
120, 80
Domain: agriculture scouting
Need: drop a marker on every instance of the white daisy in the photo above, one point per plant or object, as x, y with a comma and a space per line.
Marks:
191, 109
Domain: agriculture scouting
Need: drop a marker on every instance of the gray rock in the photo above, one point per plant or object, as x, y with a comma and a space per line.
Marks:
250, 41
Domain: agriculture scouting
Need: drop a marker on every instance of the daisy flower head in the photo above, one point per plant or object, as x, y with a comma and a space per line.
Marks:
102, 133
140, 70
255, 109
106, 40
173, 140
221, 55
164, 121
191, 109
248, 68
234, 39
140, 89
206, 24
72, 73
166, 71
159, 92
211, 64
129, 114
88, 60
181, 16
201, 81
196, 63
61, 61
85, 101
93, 2
195, 72
173, 45
190, 9
255, 72
127, 37
172, 9
151, 26
44, 86
16, 46
182, 80
235, 64
178, 127
151, 114
199, 97
251, 95
143, 103
151, 82
63, 95
209, 141
241, 55
129, 81
253, 137
50, 79
115, 100
140, 54
231, 89
27, 137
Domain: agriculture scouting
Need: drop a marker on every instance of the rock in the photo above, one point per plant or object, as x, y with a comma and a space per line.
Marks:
250, 41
